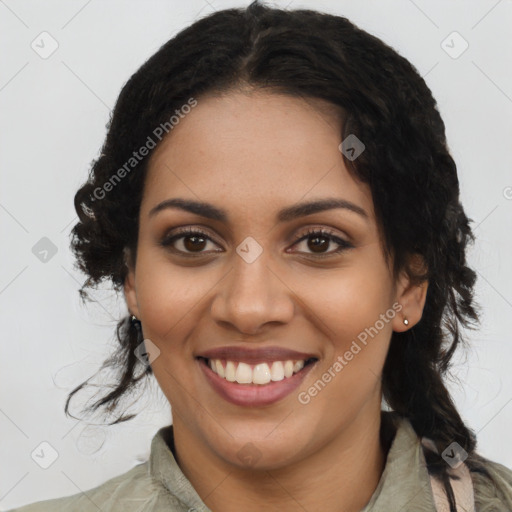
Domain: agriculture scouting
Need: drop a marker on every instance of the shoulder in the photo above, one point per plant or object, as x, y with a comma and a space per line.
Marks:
492, 492
134, 490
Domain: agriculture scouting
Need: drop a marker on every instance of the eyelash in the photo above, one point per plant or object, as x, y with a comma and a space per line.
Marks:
167, 241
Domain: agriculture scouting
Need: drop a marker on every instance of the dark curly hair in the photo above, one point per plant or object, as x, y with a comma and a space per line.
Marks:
406, 163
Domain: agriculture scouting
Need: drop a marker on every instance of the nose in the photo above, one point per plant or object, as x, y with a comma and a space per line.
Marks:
251, 296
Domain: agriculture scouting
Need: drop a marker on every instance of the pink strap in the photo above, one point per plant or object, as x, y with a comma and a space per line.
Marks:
462, 488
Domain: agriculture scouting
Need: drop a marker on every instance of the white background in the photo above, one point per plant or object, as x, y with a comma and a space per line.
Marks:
53, 117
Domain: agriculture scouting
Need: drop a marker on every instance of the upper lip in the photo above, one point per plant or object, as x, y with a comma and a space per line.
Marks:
255, 355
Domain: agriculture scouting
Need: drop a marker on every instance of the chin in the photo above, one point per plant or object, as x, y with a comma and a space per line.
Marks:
257, 452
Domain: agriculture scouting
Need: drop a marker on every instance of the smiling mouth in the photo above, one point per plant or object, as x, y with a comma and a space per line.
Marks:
261, 373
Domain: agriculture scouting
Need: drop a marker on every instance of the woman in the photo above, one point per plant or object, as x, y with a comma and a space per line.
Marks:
276, 199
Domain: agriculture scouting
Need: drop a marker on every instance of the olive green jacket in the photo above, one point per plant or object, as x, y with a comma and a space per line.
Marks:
159, 484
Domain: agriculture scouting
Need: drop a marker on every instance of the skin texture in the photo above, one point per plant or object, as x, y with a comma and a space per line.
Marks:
253, 153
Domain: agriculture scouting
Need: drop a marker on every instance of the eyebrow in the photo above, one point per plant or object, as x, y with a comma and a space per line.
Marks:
287, 214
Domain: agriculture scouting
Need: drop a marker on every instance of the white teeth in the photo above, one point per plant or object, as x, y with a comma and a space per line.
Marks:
277, 371
219, 369
243, 374
288, 368
230, 371
261, 373
297, 367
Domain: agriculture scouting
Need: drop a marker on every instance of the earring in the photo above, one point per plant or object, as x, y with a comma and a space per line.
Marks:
406, 322
135, 322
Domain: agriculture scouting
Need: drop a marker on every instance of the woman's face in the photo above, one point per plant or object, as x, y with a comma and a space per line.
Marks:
252, 290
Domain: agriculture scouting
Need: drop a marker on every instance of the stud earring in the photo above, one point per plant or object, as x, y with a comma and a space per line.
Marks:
135, 323
406, 322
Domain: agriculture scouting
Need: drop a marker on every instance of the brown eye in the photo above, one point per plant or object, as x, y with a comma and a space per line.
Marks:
194, 243
319, 240
318, 243
189, 241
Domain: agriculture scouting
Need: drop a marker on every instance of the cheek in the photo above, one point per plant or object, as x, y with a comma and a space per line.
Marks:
168, 295
169, 299
349, 302
356, 319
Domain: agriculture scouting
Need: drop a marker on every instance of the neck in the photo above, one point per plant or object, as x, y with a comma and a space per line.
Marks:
343, 475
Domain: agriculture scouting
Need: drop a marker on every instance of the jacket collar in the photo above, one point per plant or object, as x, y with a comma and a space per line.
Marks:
404, 483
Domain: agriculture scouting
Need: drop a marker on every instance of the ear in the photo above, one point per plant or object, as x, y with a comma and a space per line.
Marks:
410, 296
130, 292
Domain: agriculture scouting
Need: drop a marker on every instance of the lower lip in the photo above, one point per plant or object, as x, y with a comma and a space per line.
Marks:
253, 395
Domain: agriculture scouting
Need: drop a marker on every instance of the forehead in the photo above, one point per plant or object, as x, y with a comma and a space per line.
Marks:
242, 147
